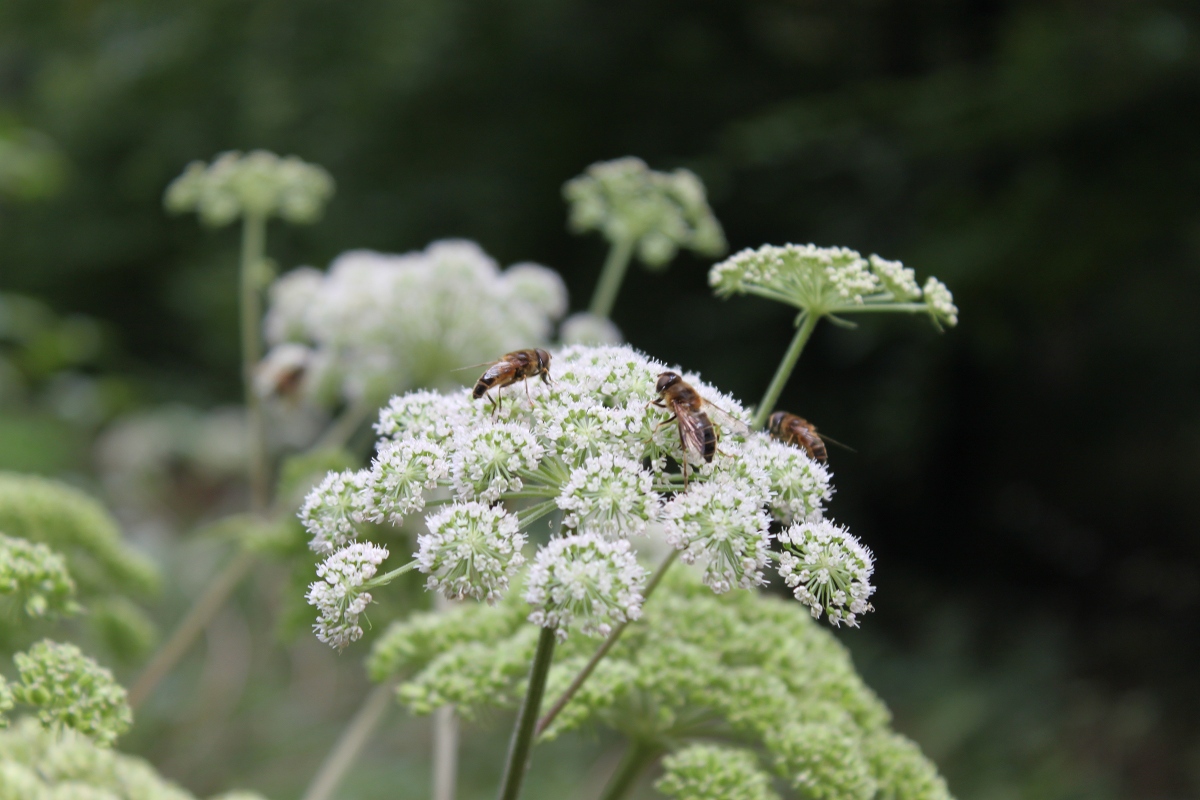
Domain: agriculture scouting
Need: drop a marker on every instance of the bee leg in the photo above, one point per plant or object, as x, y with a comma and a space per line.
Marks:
666, 421
685, 472
492, 400
546, 377
527, 396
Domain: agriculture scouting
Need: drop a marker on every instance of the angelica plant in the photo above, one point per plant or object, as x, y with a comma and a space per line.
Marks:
252, 187
640, 212
827, 282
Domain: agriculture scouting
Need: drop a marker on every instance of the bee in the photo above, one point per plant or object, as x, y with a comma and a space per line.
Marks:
519, 365
798, 432
691, 413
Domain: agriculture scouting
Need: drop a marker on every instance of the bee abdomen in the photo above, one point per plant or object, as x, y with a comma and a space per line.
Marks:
710, 438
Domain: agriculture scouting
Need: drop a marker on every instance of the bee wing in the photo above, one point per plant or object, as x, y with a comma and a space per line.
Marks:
722, 417
831, 440
691, 433
477, 366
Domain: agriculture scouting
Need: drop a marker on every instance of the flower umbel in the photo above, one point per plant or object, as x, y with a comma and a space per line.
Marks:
828, 570
35, 575
71, 690
584, 579
725, 526
470, 551
657, 212
339, 596
826, 281
258, 183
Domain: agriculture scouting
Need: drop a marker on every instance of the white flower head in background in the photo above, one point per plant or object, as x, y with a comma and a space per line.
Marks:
377, 324
656, 213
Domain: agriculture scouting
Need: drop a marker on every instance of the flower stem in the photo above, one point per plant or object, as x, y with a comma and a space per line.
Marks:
342, 428
611, 277
445, 753
197, 619
254, 245
785, 370
522, 741
636, 759
388, 577
350, 744
602, 651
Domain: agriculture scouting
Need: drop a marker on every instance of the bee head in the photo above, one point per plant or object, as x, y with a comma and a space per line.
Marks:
666, 380
543, 358
776, 420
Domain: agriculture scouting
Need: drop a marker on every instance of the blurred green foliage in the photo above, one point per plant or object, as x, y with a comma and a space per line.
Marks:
1037, 464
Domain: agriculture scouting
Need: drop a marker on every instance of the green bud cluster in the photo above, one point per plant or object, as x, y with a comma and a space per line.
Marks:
70, 690
256, 184
738, 667
711, 772
657, 213
89, 553
36, 577
37, 763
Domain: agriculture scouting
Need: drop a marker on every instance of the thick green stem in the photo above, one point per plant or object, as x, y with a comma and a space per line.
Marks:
611, 277
197, 619
636, 758
351, 742
522, 741
602, 651
785, 370
254, 246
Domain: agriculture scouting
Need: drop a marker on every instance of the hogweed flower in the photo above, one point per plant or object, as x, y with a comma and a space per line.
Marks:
470, 551
257, 184
36, 576
340, 596
828, 570
588, 446
584, 579
828, 281
725, 526
376, 323
609, 495
332, 510
587, 328
71, 690
940, 302
655, 212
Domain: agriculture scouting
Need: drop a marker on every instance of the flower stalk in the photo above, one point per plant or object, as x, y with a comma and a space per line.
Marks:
253, 267
611, 277
602, 650
522, 741
807, 325
636, 759
365, 722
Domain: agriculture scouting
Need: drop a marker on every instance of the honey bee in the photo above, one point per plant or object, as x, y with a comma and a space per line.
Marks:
691, 413
519, 365
798, 432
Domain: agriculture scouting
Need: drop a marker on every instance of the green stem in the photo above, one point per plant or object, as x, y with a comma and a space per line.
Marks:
254, 245
785, 370
602, 651
611, 277
197, 619
522, 741
351, 742
342, 428
636, 758
388, 577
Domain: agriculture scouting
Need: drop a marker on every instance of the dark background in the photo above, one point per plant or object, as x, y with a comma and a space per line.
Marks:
1028, 480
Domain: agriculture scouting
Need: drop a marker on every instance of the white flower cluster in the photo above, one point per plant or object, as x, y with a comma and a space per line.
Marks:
340, 596
587, 446
830, 280
828, 569
657, 212
587, 578
255, 184
378, 324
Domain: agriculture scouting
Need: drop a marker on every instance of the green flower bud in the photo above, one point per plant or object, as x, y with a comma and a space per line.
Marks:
72, 691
